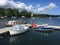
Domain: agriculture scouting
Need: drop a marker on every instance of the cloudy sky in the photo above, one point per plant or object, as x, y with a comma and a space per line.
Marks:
34, 6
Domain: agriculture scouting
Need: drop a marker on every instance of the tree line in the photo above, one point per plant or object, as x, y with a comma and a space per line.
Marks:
14, 12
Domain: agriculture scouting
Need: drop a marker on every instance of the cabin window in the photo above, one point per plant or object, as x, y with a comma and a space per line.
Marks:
11, 22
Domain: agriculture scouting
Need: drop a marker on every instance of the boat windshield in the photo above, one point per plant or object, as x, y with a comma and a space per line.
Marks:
17, 27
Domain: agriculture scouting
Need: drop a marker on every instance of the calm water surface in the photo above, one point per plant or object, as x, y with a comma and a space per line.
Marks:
33, 37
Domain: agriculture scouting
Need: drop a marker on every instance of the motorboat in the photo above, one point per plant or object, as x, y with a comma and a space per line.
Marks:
16, 29
44, 28
11, 23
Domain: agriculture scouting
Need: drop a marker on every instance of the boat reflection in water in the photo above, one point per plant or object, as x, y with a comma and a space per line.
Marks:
44, 33
15, 38
10, 40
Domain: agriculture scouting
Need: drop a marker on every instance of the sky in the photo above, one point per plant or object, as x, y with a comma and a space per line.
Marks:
35, 6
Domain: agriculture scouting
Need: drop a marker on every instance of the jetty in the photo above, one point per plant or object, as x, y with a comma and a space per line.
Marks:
55, 27
51, 26
5, 31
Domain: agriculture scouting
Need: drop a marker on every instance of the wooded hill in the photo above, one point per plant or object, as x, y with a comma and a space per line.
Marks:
14, 12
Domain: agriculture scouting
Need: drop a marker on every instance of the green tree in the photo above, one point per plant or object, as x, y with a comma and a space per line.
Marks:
15, 12
2, 12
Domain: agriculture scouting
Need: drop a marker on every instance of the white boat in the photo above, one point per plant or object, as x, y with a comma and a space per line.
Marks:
11, 23
16, 29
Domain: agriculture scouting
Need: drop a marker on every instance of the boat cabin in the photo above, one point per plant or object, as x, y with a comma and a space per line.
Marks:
11, 23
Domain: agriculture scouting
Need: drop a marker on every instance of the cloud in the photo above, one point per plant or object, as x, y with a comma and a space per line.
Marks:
16, 5
29, 8
42, 9
50, 6
3, 3
20, 5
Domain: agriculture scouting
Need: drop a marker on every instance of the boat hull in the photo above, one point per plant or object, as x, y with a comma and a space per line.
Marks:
15, 32
44, 29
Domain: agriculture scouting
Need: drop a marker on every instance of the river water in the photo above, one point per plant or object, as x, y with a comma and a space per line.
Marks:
33, 37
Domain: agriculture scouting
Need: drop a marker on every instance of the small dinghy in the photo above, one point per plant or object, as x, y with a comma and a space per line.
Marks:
43, 29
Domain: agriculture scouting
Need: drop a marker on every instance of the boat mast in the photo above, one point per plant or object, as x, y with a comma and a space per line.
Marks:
31, 18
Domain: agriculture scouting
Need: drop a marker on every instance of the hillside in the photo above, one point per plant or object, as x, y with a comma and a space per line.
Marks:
14, 12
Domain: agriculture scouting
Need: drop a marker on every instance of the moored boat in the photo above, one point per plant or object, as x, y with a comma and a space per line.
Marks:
44, 28
11, 23
16, 29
